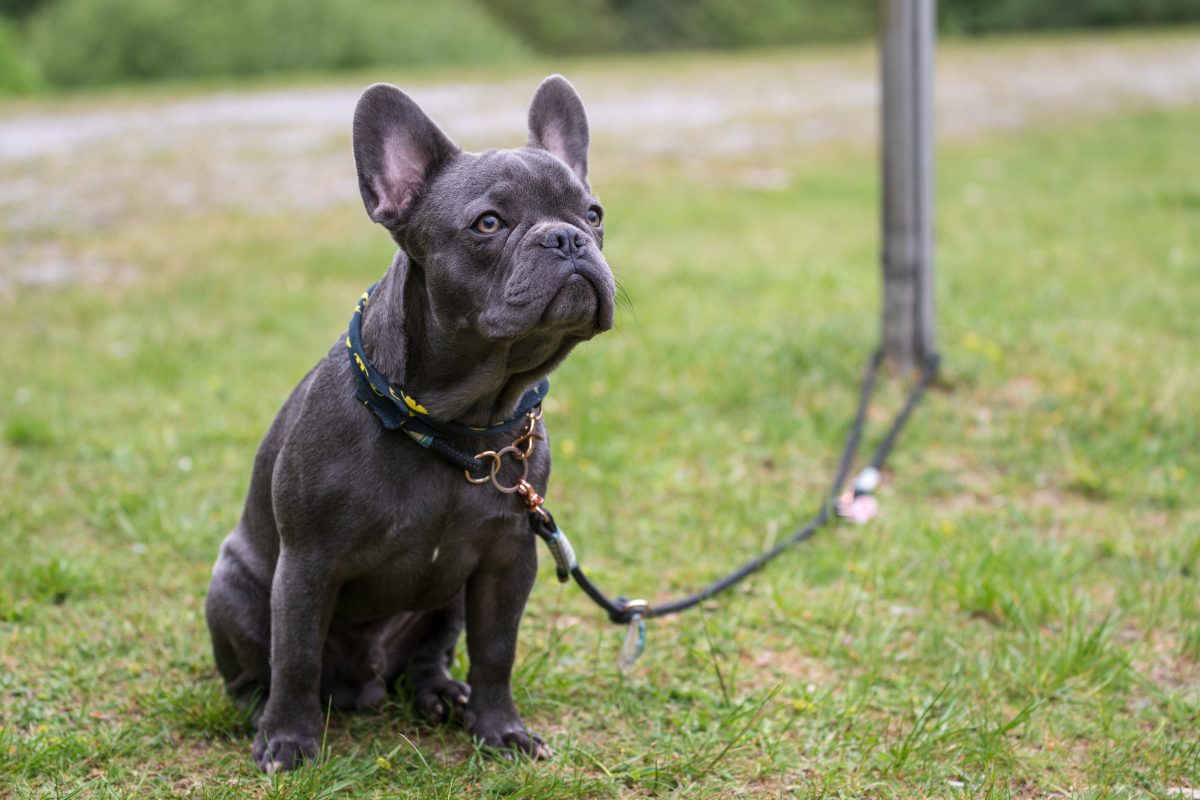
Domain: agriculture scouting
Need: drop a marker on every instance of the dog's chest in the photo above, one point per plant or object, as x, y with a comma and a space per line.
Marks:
422, 560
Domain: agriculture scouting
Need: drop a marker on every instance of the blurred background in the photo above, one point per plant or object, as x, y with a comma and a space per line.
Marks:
181, 238
69, 44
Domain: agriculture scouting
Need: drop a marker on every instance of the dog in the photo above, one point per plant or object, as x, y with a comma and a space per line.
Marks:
360, 555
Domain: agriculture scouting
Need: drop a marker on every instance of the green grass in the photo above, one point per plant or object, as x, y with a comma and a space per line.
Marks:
1022, 620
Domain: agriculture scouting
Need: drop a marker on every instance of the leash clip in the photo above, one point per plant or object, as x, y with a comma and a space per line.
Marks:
635, 635
563, 553
859, 504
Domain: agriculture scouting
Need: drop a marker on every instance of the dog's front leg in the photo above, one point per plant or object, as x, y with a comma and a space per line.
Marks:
301, 605
496, 596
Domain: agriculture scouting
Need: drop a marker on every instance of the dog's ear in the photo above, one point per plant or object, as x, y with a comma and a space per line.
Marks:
397, 150
558, 123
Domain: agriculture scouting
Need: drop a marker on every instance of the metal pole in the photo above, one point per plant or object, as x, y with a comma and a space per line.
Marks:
906, 40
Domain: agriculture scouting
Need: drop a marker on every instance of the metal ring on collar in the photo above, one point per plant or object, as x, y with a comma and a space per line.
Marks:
491, 476
515, 452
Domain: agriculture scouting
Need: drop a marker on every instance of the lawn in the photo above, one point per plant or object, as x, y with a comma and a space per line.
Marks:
1022, 620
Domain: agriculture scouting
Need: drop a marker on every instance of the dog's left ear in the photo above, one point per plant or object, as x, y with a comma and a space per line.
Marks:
558, 123
397, 150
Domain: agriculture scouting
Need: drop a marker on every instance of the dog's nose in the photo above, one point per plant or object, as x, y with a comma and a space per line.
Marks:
566, 240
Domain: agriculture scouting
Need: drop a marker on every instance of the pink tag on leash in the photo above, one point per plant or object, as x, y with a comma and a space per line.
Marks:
860, 510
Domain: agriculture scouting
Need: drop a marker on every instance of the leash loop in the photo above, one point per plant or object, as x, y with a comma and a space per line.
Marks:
556, 541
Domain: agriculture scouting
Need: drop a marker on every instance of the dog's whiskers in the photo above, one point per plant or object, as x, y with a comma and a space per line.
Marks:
623, 299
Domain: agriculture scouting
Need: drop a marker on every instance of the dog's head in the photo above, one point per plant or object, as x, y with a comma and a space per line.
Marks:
508, 241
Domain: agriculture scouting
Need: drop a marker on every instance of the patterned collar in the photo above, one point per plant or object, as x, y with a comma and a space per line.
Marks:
395, 408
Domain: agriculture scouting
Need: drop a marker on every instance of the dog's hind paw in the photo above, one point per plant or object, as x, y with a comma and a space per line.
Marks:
441, 699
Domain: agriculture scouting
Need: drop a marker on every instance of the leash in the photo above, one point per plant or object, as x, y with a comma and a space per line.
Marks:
397, 410
850, 505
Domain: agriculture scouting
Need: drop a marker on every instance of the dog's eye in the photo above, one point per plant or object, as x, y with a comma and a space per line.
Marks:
487, 223
595, 216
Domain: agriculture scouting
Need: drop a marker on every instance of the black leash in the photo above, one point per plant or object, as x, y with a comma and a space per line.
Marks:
623, 611
398, 410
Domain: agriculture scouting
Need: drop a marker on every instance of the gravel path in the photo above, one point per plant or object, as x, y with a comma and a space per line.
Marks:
80, 167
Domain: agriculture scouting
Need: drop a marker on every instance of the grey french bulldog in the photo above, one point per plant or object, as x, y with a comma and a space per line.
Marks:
360, 555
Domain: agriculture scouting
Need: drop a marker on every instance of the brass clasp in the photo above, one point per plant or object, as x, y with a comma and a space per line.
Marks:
521, 450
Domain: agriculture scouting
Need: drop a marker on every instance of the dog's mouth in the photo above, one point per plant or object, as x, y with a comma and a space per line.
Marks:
580, 306
583, 303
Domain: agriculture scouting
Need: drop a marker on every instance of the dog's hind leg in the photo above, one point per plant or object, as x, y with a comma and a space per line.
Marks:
421, 647
237, 611
438, 696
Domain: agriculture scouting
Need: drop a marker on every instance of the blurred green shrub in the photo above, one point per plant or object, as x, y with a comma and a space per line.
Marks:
593, 26
983, 16
88, 42
722, 24
17, 73
18, 9
558, 28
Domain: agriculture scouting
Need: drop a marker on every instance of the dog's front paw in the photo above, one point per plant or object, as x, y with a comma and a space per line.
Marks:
509, 737
441, 698
283, 752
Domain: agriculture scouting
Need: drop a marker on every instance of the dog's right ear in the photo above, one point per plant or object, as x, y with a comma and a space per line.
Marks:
397, 150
